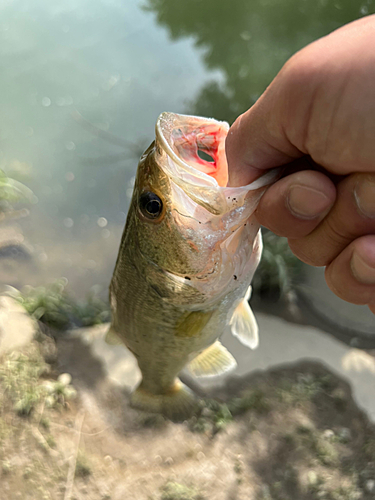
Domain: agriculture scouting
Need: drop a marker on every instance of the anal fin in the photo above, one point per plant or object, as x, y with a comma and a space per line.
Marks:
214, 360
243, 323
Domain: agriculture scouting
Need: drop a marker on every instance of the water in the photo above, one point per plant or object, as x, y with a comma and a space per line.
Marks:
118, 65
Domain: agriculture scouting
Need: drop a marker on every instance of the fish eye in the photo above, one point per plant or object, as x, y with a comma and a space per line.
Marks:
150, 205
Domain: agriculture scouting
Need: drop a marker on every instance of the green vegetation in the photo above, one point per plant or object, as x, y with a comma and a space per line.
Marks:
322, 449
20, 380
54, 307
254, 400
318, 488
177, 491
19, 377
306, 388
83, 465
215, 416
31, 462
278, 268
11, 193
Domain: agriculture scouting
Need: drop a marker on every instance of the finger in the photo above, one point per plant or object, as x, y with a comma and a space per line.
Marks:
321, 103
351, 275
296, 204
251, 146
352, 216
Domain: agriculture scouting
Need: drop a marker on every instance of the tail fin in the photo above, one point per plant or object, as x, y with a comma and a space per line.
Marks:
178, 404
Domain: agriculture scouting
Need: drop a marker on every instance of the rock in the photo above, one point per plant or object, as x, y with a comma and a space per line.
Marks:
370, 485
328, 434
17, 328
64, 379
345, 435
312, 477
13, 245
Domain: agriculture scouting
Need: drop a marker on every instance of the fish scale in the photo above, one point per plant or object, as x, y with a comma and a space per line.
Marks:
188, 253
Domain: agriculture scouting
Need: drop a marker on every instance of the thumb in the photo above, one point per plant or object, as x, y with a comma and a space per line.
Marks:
256, 141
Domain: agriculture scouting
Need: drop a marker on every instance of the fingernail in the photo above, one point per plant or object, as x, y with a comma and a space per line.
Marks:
364, 194
307, 203
362, 270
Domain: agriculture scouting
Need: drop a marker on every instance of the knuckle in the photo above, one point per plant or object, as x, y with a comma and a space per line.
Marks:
308, 253
337, 237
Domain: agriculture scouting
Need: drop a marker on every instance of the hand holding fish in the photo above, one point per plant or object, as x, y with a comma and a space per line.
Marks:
318, 119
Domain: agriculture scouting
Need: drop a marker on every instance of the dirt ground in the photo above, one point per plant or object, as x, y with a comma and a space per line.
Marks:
286, 434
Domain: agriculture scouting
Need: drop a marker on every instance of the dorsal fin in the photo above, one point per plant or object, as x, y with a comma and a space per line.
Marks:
243, 323
214, 360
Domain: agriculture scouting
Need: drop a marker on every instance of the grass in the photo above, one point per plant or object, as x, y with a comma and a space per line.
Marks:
83, 465
20, 380
319, 489
19, 376
12, 192
30, 459
306, 388
254, 400
54, 307
322, 449
177, 491
215, 416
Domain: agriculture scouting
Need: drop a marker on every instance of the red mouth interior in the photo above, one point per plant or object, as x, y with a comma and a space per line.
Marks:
204, 150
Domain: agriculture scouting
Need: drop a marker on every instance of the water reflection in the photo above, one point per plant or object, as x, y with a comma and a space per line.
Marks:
110, 62
249, 41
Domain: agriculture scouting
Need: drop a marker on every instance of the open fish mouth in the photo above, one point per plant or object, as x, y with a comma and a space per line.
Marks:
191, 151
195, 143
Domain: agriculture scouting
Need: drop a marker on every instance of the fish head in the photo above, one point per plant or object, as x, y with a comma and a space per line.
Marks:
195, 235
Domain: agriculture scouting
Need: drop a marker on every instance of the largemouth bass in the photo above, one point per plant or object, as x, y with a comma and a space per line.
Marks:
187, 256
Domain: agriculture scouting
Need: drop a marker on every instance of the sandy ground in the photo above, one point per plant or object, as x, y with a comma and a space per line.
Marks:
266, 432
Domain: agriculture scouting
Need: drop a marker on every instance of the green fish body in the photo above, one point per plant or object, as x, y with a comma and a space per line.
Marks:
188, 253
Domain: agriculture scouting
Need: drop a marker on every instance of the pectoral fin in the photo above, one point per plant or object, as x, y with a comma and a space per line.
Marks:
112, 338
214, 360
243, 323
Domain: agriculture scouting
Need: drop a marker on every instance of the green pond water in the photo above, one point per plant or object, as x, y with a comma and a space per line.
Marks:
118, 65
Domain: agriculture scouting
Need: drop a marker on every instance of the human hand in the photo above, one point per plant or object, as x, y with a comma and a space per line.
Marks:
319, 112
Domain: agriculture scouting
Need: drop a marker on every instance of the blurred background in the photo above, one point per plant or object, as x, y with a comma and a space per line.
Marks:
82, 83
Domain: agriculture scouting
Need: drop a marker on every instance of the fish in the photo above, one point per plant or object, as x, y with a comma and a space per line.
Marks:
189, 250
